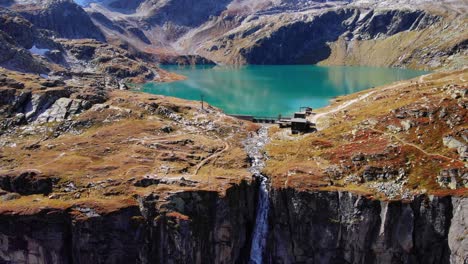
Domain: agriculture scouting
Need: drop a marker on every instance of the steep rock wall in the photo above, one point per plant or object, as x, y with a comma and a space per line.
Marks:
193, 227
340, 227
202, 227
308, 41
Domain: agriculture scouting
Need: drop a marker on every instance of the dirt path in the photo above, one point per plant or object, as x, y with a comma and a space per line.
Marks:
54, 160
314, 118
421, 79
212, 156
412, 145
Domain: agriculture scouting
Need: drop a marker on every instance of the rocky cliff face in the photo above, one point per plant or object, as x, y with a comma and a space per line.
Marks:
344, 36
339, 227
64, 17
17, 38
193, 227
202, 227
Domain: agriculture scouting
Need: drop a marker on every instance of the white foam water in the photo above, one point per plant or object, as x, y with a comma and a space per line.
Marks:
254, 146
260, 233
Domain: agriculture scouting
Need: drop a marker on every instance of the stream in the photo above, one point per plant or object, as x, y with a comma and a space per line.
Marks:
254, 146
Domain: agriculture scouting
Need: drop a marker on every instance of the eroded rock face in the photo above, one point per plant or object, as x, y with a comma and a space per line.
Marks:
205, 228
202, 227
335, 227
307, 41
458, 242
64, 17
62, 109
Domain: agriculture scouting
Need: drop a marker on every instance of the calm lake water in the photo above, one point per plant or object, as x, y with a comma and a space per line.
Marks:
273, 90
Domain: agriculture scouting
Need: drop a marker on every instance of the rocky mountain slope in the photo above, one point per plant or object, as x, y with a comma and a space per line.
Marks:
65, 18
28, 46
422, 34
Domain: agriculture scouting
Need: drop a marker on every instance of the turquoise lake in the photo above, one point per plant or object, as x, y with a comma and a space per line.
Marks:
272, 90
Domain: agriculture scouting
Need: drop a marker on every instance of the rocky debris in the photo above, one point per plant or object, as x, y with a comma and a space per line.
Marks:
353, 179
26, 182
457, 92
358, 159
7, 196
334, 172
88, 212
150, 180
453, 178
392, 190
406, 124
254, 146
372, 173
17, 120
168, 113
453, 143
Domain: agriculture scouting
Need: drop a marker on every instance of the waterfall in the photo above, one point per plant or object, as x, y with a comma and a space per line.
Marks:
254, 146
260, 233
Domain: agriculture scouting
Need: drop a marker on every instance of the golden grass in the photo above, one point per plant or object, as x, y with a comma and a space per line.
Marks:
344, 135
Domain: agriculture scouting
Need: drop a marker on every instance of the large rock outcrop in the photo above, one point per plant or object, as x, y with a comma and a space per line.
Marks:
64, 17
17, 38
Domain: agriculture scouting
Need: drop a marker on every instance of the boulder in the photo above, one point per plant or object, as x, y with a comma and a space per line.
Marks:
62, 110
453, 143
447, 178
26, 182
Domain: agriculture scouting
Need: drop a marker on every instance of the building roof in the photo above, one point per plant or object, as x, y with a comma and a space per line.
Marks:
299, 120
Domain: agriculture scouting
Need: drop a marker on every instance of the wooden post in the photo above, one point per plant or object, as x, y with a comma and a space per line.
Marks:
202, 96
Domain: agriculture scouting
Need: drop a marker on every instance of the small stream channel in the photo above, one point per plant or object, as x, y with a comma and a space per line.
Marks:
254, 146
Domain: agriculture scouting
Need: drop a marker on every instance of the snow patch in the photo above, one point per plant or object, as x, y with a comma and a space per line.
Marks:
38, 51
